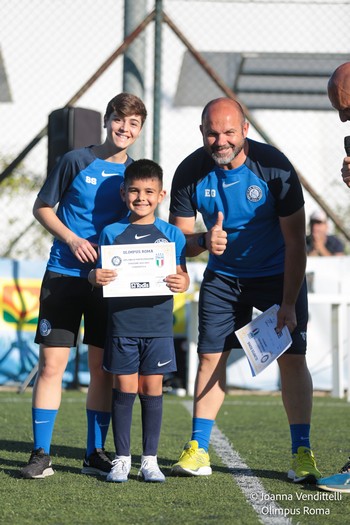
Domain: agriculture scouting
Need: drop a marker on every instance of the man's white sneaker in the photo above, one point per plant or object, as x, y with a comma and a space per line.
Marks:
121, 466
149, 470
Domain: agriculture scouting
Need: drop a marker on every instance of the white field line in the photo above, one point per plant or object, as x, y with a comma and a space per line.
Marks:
268, 511
174, 399
259, 402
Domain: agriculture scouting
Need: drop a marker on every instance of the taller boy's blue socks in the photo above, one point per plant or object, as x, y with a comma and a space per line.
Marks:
43, 421
98, 424
201, 431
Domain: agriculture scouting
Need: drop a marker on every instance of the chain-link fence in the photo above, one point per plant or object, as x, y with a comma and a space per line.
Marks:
275, 55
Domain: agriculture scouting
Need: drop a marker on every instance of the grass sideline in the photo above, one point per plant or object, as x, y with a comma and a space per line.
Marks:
255, 426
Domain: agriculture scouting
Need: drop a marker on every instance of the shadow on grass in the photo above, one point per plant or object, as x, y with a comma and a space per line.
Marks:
258, 473
265, 474
61, 452
26, 446
58, 453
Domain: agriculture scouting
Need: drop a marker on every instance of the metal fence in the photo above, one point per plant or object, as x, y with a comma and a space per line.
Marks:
275, 56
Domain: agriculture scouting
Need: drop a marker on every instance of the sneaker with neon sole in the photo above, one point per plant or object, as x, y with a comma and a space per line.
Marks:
149, 470
193, 461
337, 483
39, 465
304, 467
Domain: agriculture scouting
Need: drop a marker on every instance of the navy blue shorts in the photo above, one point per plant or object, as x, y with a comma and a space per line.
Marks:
226, 304
146, 355
64, 300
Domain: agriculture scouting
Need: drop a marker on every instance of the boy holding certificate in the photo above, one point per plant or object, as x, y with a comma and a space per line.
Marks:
139, 346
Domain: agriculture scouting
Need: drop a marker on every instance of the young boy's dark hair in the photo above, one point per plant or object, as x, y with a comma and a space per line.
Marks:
143, 169
126, 105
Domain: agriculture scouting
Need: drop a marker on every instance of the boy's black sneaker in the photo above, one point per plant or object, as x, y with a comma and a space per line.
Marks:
98, 463
39, 465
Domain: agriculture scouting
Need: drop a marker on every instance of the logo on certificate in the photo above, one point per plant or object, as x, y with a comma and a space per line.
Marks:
139, 286
116, 261
160, 259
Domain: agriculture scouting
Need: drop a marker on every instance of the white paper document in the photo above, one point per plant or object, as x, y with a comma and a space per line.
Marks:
141, 268
260, 341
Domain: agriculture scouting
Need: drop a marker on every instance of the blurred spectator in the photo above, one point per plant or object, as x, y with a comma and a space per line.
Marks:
318, 242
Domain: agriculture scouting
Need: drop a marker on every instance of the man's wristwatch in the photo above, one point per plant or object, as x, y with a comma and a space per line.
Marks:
201, 241
90, 272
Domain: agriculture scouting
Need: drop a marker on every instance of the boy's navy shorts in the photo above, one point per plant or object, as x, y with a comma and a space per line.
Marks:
226, 304
146, 355
64, 300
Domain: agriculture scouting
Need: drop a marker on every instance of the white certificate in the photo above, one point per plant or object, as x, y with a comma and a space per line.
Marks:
141, 268
260, 341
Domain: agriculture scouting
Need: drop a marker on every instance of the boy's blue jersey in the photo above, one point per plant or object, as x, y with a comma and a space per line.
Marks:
87, 190
150, 316
251, 197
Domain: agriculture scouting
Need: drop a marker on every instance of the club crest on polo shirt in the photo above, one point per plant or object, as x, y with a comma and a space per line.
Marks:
44, 327
254, 193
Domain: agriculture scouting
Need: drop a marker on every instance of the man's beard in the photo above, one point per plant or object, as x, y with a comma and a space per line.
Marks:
223, 161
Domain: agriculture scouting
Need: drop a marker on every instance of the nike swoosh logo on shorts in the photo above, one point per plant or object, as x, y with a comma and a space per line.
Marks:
163, 364
39, 422
104, 174
225, 185
141, 236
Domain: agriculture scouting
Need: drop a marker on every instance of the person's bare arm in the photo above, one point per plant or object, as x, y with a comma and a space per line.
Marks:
186, 225
215, 238
83, 250
293, 229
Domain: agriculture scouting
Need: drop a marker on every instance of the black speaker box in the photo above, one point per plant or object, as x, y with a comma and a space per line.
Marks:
71, 128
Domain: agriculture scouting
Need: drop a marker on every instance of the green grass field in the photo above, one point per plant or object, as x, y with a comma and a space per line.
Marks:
250, 490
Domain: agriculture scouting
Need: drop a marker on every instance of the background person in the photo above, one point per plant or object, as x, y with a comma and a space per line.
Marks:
318, 242
139, 345
252, 205
85, 185
339, 96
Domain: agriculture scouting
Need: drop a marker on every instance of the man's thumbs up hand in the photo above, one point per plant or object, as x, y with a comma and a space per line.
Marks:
218, 237
219, 221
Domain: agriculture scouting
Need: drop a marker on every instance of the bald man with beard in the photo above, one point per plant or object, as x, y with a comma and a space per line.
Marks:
339, 96
252, 204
